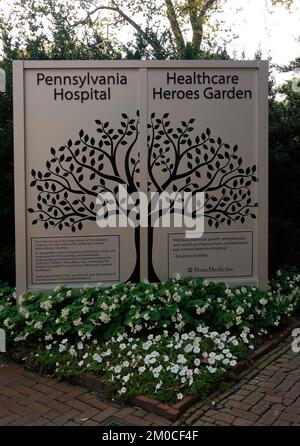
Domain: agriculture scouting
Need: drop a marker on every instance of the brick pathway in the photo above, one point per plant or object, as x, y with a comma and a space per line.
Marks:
267, 395
29, 399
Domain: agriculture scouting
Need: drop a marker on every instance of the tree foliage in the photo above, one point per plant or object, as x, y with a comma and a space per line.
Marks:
164, 28
165, 25
284, 174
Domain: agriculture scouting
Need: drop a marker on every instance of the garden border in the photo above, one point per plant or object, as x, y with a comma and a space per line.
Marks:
172, 413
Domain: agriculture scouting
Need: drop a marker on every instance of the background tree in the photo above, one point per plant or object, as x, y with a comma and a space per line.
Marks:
186, 22
284, 242
181, 29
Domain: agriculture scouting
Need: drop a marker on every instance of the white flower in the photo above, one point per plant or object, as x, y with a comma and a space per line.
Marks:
197, 362
201, 329
200, 310
158, 385
24, 312
107, 353
72, 351
179, 396
181, 359
104, 318
188, 348
228, 292
176, 297
77, 322
38, 325
97, 357
175, 368
46, 305
147, 345
123, 390
263, 301
239, 310
80, 363
211, 369
141, 369
126, 378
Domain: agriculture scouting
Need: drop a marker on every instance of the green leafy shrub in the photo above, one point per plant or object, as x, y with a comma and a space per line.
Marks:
195, 330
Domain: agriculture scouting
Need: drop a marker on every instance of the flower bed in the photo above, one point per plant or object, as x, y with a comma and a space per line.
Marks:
164, 341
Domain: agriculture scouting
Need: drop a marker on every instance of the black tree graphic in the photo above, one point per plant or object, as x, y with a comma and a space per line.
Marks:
202, 163
81, 170
177, 162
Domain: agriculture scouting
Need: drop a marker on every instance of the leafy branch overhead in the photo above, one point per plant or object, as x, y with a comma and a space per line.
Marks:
186, 21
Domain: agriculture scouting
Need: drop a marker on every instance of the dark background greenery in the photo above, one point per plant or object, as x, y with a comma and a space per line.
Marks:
284, 131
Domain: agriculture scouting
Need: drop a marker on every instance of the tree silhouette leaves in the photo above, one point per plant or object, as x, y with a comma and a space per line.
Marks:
179, 159
213, 163
80, 168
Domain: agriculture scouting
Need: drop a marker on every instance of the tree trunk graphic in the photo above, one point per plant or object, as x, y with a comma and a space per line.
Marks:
178, 161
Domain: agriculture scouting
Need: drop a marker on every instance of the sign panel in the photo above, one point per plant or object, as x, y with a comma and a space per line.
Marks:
106, 151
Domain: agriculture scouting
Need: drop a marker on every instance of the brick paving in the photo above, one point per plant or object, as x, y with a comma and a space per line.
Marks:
269, 394
29, 399
266, 395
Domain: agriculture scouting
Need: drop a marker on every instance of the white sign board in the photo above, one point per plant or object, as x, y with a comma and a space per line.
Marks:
85, 129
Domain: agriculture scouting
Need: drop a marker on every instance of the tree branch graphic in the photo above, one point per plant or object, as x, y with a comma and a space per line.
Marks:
179, 160
200, 164
80, 170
